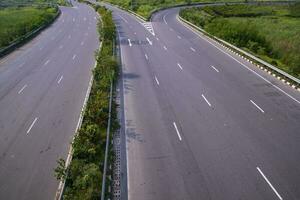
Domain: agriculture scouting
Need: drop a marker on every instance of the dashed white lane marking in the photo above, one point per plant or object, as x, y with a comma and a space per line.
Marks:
123, 19
259, 108
21, 90
32, 124
245, 66
129, 42
157, 82
214, 68
269, 183
192, 49
179, 66
46, 63
146, 56
58, 82
178, 37
74, 56
178, 134
165, 48
164, 18
149, 41
206, 100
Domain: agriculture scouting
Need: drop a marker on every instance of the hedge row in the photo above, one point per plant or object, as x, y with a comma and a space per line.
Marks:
84, 174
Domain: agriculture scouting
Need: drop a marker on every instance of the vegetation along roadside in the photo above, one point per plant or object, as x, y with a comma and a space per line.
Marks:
83, 177
271, 32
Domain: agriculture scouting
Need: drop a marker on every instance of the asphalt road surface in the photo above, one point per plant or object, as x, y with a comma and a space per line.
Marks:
42, 89
200, 122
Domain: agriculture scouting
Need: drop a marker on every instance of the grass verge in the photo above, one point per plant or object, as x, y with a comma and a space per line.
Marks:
270, 32
17, 22
83, 176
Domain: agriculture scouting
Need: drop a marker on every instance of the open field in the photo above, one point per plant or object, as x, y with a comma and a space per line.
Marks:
17, 22
270, 32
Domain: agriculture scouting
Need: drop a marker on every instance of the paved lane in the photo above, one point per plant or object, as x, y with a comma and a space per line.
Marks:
42, 88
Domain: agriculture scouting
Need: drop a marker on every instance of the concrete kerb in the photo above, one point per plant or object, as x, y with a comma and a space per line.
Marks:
272, 70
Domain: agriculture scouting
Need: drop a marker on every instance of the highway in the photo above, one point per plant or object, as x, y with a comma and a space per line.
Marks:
43, 86
200, 122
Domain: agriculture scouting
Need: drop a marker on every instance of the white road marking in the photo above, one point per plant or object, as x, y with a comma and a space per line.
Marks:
245, 66
129, 42
257, 106
46, 63
178, 37
73, 19
157, 82
214, 68
82, 43
165, 48
206, 100
192, 49
157, 39
123, 18
175, 126
134, 33
179, 66
74, 56
60, 79
146, 56
21, 90
164, 18
32, 124
269, 183
150, 42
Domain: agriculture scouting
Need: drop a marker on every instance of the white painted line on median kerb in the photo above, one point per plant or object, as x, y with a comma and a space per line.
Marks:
149, 41
179, 66
192, 49
129, 42
178, 37
206, 100
46, 63
175, 126
32, 124
257, 106
74, 56
165, 48
214, 68
58, 82
157, 82
21, 90
274, 190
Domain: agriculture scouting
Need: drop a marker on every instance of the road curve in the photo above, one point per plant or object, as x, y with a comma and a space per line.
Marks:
42, 89
200, 122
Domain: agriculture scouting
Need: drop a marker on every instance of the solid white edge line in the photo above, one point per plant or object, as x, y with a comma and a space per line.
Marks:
179, 66
32, 124
175, 126
149, 41
21, 90
215, 69
157, 82
278, 88
206, 100
60, 79
129, 42
266, 179
261, 110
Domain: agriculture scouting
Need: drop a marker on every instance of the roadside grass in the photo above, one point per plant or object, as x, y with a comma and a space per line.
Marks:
83, 177
269, 32
17, 22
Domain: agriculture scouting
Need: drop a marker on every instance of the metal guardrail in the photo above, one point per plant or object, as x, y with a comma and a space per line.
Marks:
258, 60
